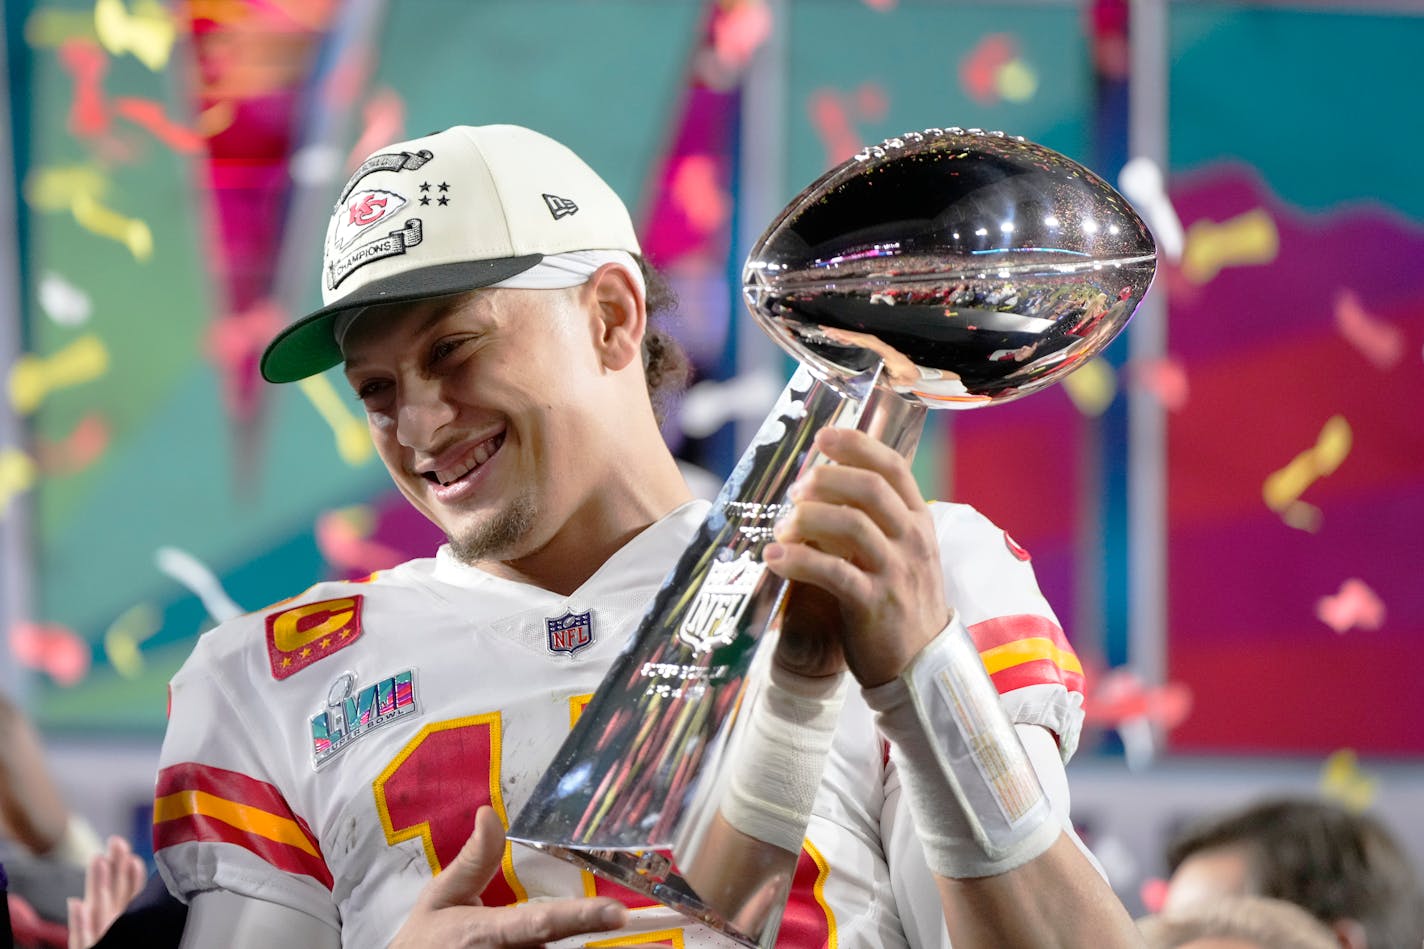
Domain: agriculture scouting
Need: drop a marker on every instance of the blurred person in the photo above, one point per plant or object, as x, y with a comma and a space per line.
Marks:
1242, 922
44, 845
111, 881
485, 294
1345, 869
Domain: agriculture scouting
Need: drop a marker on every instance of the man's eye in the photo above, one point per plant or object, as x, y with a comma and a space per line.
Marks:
368, 390
445, 348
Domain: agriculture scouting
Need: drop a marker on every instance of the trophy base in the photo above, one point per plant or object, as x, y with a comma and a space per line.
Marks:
652, 874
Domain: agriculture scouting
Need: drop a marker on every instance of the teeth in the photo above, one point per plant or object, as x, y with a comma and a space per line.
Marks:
473, 460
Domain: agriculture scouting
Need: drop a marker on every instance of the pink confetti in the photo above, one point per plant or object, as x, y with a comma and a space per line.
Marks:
78, 450
52, 649
1356, 605
384, 117
1165, 379
1380, 342
979, 70
834, 115
881, 5
1153, 894
344, 546
695, 191
150, 115
87, 64
1121, 696
739, 31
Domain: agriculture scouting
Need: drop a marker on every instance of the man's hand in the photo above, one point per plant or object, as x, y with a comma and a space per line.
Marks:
860, 532
449, 911
111, 881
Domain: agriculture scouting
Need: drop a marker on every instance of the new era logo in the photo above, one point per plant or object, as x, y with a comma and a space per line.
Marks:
559, 207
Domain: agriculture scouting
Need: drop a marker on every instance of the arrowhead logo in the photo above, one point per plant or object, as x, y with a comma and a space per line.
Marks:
559, 207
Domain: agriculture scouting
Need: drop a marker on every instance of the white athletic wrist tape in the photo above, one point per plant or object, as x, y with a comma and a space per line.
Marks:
975, 798
778, 764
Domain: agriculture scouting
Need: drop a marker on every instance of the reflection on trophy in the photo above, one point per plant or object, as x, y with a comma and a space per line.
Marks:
941, 269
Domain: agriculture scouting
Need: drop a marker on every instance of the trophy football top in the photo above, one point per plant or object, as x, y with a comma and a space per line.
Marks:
977, 266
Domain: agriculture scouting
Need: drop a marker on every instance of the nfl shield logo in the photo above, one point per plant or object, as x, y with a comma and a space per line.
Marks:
570, 633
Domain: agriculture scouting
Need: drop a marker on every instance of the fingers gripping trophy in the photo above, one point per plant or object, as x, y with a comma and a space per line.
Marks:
940, 269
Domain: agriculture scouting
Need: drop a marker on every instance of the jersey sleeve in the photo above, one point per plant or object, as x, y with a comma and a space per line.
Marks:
990, 583
221, 820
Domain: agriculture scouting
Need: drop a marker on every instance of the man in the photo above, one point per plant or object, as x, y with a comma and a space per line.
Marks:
1346, 869
485, 295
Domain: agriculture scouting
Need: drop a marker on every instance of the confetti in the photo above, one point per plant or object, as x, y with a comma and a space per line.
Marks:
126, 635
1142, 183
1380, 342
384, 119
979, 70
1092, 387
1343, 780
342, 537
86, 64
150, 115
1285, 486
78, 450
132, 232
148, 32
1153, 894
17, 475
696, 192
63, 302
51, 649
233, 342
353, 441
833, 116
33, 377
1017, 81
1355, 606
738, 31
199, 580
51, 28
1165, 379
1302, 516
1245, 240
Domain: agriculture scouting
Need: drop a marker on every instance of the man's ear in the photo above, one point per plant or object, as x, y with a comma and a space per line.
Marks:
622, 316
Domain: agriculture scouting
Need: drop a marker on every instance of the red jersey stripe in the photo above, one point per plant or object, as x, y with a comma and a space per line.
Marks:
200, 827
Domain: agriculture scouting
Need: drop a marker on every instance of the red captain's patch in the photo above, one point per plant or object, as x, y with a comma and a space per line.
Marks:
1014, 548
302, 635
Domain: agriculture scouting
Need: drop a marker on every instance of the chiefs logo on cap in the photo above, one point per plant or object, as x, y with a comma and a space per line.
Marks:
305, 634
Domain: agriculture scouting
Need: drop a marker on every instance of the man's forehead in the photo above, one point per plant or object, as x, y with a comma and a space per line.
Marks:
413, 318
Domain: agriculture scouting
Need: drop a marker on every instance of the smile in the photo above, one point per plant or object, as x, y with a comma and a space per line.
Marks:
470, 461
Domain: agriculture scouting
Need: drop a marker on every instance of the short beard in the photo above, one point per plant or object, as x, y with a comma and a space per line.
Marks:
499, 538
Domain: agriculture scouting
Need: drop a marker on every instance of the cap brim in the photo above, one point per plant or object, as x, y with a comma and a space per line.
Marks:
307, 346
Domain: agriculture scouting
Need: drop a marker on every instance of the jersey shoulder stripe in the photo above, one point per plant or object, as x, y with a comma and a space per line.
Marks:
194, 802
1026, 649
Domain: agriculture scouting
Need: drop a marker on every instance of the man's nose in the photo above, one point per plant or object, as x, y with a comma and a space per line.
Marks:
423, 411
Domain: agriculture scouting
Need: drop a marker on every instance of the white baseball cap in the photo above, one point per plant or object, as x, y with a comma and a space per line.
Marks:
454, 211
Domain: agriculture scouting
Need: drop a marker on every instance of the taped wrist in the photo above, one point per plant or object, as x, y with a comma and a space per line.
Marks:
777, 767
975, 798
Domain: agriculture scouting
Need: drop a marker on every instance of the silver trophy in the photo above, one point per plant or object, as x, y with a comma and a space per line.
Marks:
940, 269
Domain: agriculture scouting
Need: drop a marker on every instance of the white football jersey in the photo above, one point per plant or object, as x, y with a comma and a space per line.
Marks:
329, 753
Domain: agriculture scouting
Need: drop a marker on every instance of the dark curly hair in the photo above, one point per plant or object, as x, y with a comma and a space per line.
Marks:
665, 365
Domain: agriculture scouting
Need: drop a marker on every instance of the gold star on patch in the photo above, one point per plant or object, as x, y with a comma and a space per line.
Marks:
306, 651
326, 641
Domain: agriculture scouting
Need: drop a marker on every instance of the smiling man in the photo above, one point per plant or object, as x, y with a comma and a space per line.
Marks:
325, 762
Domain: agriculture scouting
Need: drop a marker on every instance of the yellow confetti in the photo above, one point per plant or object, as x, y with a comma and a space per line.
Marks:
148, 32
1092, 387
126, 634
1302, 516
34, 377
1343, 781
49, 28
1016, 81
17, 475
55, 188
1285, 486
1246, 239
353, 441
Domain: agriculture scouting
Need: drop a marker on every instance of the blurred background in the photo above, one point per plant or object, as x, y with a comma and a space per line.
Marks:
1227, 509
